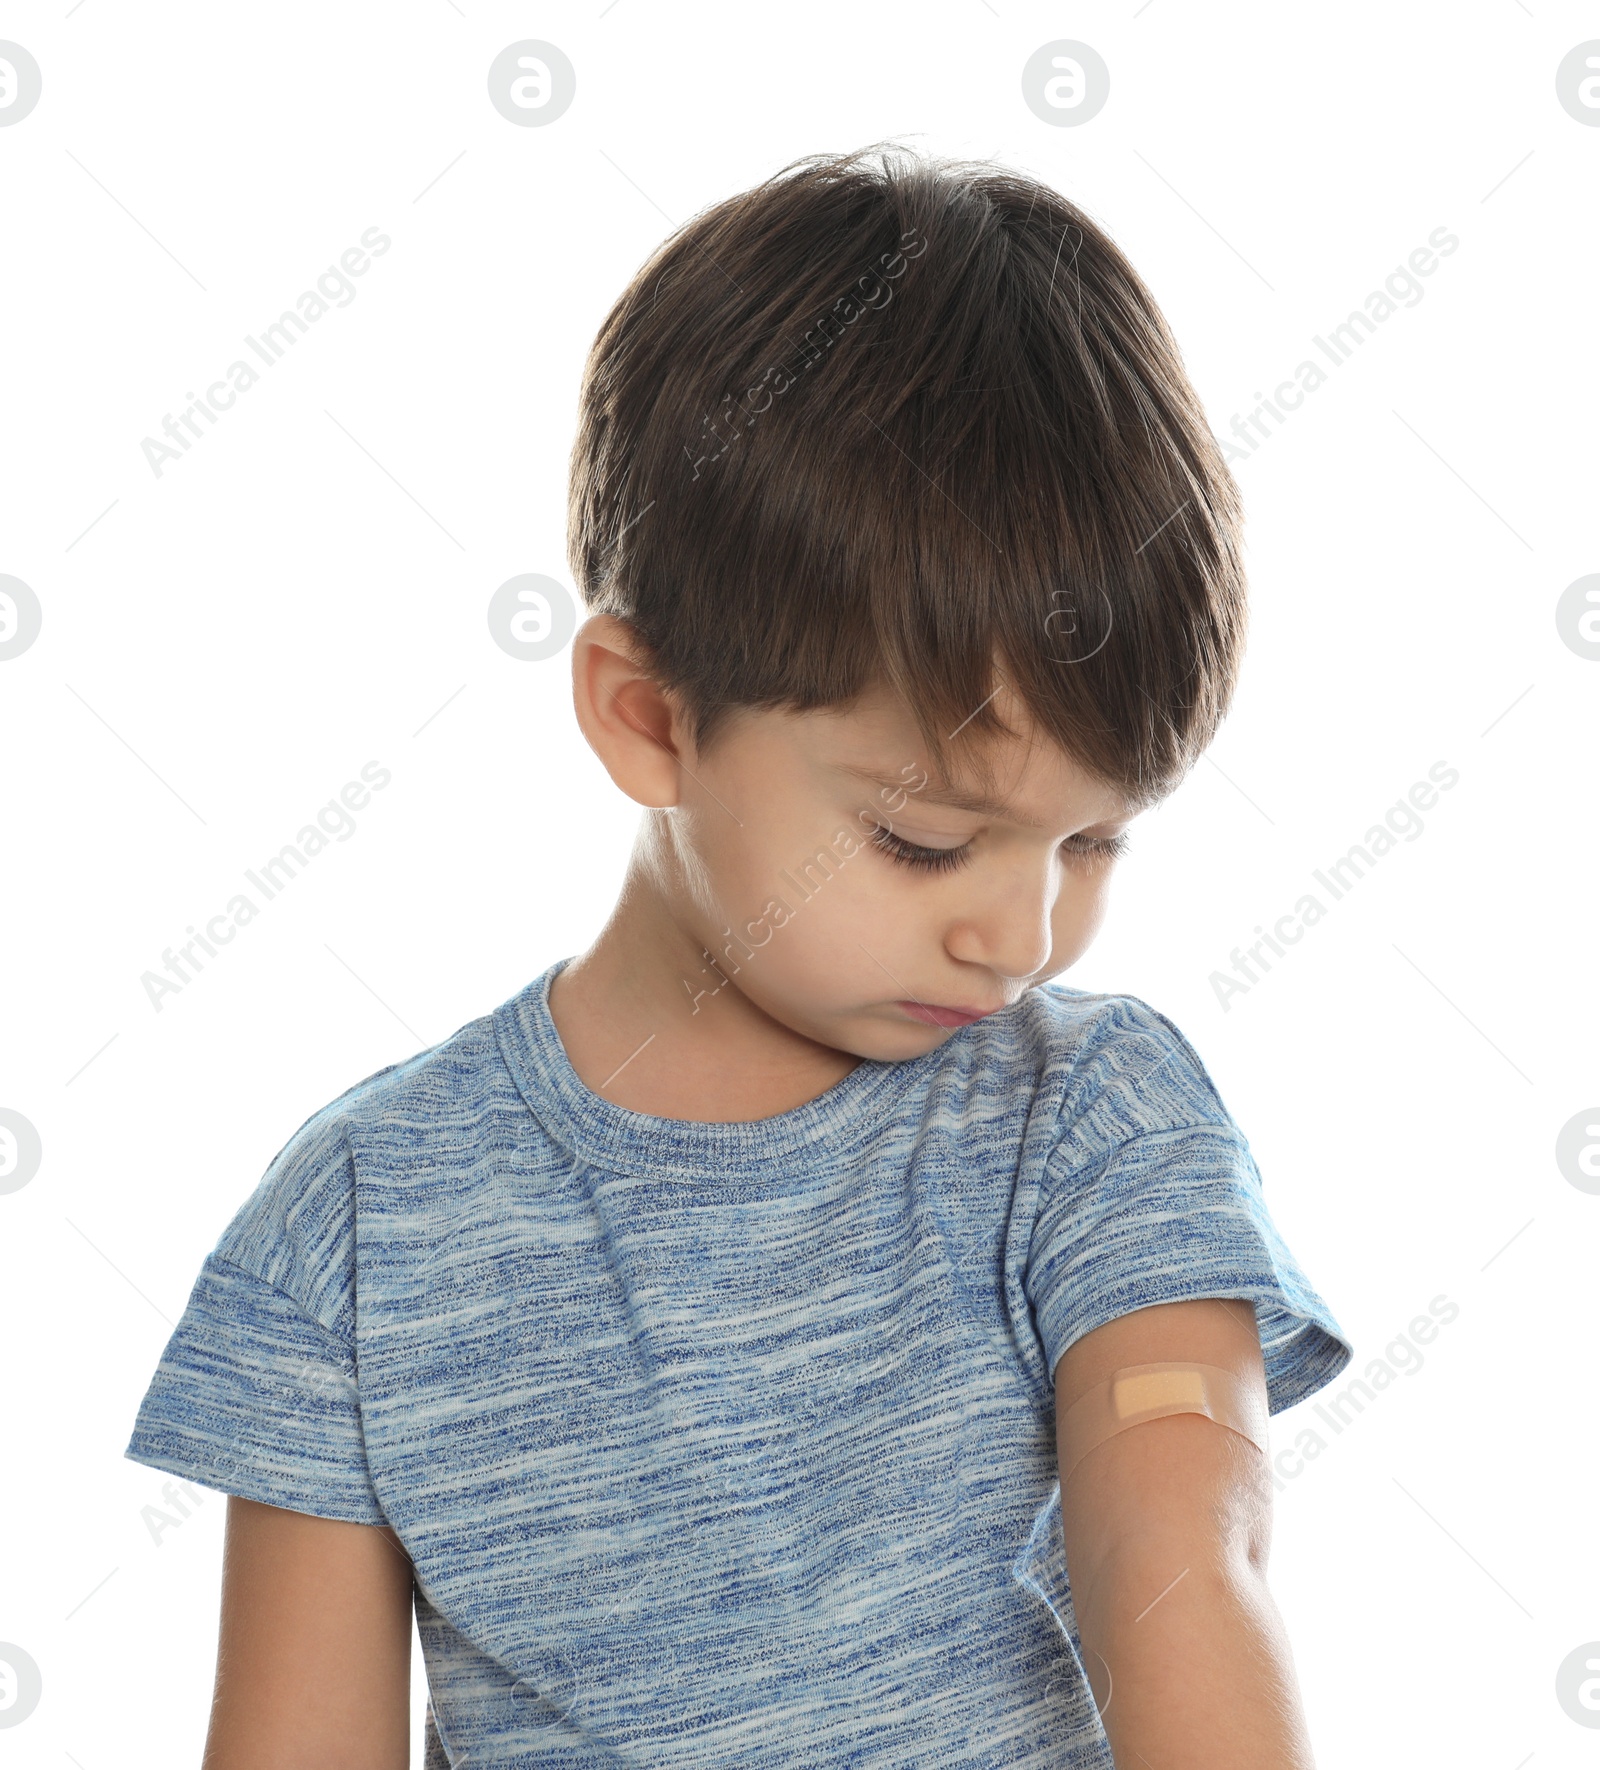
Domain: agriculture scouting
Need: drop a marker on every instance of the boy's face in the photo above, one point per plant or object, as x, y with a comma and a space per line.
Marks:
863, 907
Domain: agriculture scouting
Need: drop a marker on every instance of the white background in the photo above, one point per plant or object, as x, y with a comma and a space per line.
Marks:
224, 646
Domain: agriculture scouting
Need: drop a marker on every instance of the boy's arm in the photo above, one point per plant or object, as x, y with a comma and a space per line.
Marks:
314, 1655
1166, 1534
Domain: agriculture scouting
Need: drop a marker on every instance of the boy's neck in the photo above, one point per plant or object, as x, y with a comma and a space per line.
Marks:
642, 1027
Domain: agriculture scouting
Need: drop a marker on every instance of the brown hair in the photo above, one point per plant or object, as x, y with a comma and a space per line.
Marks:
893, 419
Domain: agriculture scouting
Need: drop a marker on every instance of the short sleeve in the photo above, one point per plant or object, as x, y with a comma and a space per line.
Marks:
256, 1392
1151, 1195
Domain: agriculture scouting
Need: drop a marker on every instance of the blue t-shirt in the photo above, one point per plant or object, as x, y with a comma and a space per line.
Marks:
725, 1444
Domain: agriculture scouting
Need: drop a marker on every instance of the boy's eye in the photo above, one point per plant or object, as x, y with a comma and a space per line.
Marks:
913, 854
943, 860
1097, 847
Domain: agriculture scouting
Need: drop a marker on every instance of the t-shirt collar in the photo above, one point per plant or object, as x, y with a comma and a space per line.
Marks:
825, 1131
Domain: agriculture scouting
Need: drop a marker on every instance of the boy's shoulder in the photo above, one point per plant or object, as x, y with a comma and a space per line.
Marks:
297, 1228
1110, 1055
407, 1101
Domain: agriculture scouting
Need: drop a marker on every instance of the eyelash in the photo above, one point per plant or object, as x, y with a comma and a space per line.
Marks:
945, 860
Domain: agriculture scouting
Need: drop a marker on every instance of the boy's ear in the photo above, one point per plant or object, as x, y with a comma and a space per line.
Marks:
629, 720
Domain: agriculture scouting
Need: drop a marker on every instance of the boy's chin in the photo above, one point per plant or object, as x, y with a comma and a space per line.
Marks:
879, 1033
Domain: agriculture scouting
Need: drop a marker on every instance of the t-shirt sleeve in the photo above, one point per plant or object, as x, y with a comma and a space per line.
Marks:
256, 1392
1151, 1195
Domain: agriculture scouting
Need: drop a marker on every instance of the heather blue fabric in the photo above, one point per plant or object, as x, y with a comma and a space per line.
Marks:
725, 1444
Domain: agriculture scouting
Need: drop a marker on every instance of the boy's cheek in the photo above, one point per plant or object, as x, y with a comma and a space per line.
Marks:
1080, 913
864, 905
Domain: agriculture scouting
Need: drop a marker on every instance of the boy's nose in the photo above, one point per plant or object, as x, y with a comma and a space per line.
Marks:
1011, 937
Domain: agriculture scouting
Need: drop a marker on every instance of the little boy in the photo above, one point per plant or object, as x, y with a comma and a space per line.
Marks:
795, 1332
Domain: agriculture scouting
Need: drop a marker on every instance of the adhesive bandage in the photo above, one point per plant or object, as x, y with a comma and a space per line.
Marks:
1140, 1392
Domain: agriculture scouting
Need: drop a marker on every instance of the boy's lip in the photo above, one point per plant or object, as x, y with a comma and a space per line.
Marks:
932, 1014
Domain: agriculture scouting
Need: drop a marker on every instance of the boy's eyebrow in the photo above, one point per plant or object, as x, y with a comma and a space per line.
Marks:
980, 803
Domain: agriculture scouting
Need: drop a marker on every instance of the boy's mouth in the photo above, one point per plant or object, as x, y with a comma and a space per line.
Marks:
931, 1015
